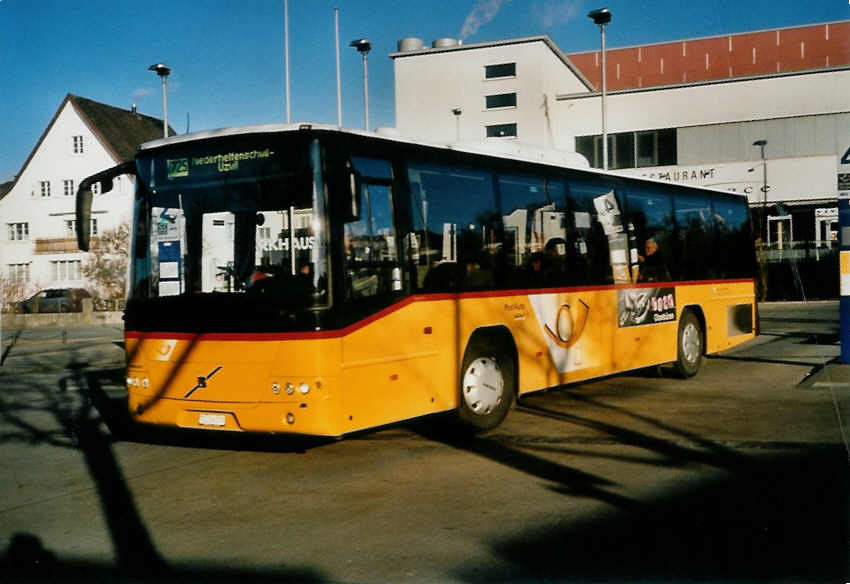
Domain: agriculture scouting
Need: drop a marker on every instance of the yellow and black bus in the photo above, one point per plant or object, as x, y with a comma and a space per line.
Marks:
312, 280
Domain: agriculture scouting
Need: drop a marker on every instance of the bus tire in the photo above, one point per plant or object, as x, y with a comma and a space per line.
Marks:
487, 387
689, 345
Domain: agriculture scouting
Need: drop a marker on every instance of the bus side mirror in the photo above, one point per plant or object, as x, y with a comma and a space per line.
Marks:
84, 198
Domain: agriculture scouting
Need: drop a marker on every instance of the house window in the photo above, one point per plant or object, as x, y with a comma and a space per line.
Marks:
501, 131
45, 188
19, 273
78, 144
19, 231
631, 149
65, 270
95, 188
499, 71
71, 227
68, 187
501, 100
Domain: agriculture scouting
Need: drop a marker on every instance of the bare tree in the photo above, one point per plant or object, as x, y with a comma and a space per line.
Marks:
106, 266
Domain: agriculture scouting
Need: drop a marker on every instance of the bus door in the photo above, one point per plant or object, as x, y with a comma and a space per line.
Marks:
388, 343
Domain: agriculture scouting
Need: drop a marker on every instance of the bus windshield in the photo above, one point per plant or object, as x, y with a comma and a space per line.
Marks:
232, 218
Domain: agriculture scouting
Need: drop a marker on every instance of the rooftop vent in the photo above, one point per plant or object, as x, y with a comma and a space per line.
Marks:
410, 44
445, 43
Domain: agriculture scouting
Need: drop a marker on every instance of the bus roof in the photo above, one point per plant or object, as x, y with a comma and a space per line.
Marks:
504, 149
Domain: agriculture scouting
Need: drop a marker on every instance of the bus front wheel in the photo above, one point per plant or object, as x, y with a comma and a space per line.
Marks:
486, 388
689, 345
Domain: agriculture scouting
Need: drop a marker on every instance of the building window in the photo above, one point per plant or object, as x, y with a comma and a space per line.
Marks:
501, 100
501, 131
19, 273
71, 227
45, 188
78, 144
65, 270
68, 187
631, 149
95, 188
499, 71
19, 231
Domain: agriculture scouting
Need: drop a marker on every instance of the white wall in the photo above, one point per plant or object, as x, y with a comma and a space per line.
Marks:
55, 161
788, 179
705, 104
430, 85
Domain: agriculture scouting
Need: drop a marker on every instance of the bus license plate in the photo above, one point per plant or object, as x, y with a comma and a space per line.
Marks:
211, 420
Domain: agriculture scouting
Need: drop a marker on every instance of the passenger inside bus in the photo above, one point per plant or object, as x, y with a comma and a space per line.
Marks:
652, 266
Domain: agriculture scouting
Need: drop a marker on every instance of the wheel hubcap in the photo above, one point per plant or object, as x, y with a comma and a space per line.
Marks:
483, 385
691, 343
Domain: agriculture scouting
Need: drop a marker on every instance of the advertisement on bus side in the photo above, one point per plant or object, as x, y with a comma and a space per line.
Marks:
640, 306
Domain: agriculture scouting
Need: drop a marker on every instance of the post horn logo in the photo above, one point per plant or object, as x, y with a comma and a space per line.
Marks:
569, 324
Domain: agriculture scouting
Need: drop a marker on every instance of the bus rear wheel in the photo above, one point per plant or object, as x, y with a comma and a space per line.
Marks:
486, 388
689, 345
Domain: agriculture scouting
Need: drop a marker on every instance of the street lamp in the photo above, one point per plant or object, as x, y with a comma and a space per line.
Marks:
457, 112
163, 71
363, 47
762, 144
601, 17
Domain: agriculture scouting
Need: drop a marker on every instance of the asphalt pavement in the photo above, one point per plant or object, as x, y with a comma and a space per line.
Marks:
737, 475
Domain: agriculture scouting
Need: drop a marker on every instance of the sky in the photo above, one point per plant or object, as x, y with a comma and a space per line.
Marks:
227, 56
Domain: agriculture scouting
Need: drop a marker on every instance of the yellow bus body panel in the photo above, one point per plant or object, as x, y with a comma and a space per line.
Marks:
405, 362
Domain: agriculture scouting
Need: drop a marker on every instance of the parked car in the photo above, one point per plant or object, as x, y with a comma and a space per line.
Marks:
54, 300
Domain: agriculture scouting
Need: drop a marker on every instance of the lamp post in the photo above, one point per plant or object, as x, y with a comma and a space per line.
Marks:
762, 144
762, 253
601, 17
363, 47
163, 71
457, 112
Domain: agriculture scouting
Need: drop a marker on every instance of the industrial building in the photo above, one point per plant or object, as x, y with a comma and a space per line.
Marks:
693, 111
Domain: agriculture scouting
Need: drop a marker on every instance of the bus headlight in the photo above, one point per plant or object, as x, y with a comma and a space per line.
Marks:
276, 388
304, 387
290, 389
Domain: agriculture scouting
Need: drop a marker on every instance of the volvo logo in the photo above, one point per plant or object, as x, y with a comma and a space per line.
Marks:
202, 381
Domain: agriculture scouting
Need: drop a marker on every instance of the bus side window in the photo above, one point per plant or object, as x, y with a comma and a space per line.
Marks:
455, 227
600, 238
733, 235
651, 216
370, 246
535, 250
695, 238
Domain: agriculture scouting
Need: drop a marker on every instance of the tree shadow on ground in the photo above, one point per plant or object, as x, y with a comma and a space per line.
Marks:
781, 518
767, 511
77, 407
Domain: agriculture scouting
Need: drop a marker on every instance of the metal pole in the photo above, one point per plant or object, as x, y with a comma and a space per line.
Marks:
164, 109
604, 123
764, 196
366, 90
844, 274
338, 82
286, 52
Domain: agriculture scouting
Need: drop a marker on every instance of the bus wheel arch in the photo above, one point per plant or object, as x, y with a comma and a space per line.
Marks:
690, 341
488, 375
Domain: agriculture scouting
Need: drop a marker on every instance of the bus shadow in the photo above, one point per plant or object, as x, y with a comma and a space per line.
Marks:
783, 517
